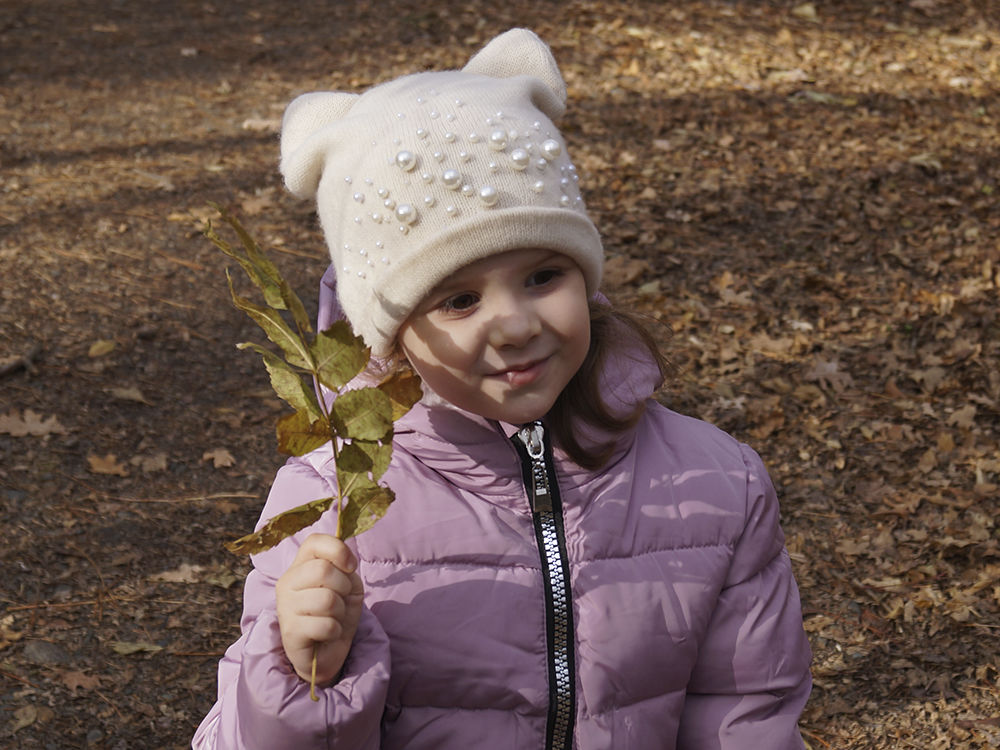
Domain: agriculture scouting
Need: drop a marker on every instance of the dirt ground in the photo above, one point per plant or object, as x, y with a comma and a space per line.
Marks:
805, 194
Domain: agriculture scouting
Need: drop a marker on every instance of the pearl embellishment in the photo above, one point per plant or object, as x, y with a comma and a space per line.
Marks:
406, 160
498, 140
406, 213
489, 195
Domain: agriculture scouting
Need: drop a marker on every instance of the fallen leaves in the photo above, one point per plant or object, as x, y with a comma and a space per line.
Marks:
30, 423
106, 464
220, 458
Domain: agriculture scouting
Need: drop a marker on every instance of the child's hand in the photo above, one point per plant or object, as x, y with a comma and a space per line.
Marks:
319, 604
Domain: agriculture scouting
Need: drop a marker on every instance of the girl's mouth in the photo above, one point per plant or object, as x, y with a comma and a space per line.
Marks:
521, 375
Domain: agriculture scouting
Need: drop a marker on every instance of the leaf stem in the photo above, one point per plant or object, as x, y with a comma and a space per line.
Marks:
312, 677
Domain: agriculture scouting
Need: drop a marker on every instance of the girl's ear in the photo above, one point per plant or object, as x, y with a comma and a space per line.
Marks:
304, 137
520, 52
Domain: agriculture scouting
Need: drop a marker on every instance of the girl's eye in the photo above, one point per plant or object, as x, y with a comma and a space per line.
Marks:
460, 302
544, 276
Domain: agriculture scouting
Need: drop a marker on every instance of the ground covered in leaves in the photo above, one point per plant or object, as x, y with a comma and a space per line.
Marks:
805, 195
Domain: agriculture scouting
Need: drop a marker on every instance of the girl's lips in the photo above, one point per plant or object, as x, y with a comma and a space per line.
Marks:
521, 375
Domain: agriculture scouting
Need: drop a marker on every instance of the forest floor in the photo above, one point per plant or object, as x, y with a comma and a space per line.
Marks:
806, 196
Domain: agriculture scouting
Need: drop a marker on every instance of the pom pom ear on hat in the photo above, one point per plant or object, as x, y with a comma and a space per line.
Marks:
520, 52
419, 176
301, 137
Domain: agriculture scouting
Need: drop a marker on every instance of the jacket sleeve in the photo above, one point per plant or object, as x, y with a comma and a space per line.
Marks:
261, 702
751, 679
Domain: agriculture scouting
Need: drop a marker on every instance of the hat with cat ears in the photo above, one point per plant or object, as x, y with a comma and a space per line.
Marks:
417, 177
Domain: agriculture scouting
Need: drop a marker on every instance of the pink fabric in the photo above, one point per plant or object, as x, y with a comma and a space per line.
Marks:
688, 624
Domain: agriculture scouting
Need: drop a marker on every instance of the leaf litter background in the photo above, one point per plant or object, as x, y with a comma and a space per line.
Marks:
804, 194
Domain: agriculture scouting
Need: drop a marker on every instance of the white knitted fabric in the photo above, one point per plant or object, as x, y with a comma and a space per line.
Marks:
420, 176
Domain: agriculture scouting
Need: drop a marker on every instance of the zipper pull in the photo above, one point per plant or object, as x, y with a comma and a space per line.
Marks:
533, 437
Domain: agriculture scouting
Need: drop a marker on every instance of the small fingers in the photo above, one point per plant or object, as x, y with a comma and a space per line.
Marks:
329, 548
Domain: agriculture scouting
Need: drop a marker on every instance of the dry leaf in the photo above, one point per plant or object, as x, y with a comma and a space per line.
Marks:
127, 648
150, 463
101, 347
964, 417
8, 635
75, 679
106, 465
828, 373
807, 12
129, 394
186, 573
25, 716
30, 424
220, 458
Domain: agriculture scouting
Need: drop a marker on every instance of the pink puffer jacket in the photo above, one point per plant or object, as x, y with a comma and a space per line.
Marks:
653, 607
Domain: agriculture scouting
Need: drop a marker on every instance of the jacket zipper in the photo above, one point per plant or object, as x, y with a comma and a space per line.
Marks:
543, 493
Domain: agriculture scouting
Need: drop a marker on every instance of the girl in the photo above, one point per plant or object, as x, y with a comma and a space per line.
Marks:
568, 563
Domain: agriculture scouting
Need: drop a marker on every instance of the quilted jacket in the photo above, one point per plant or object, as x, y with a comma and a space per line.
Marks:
516, 600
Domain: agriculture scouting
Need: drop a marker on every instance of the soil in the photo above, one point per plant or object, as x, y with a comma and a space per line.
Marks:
804, 194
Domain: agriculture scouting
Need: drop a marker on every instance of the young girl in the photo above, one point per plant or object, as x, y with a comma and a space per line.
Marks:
568, 564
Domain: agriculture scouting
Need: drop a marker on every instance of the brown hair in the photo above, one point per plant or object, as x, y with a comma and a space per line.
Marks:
611, 330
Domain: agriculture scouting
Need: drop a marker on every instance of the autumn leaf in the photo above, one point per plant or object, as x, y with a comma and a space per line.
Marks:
403, 389
366, 506
280, 527
150, 463
830, 374
8, 635
339, 355
186, 573
365, 414
287, 382
107, 464
100, 347
129, 394
127, 648
30, 424
220, 458
299, 434
75, 679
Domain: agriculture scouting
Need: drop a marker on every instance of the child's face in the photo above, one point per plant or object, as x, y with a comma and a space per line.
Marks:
502, 336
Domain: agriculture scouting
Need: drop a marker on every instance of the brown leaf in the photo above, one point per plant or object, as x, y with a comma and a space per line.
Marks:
185, 573
964, 417
107, 464
150, 463
75, 679
130, 394
30, 424
830, 374
220, 458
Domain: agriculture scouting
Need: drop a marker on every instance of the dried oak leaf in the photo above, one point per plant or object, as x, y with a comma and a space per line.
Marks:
107, 464
220, 458
30, 424
75, 679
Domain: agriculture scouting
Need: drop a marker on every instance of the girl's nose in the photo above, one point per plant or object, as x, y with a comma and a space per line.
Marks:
514, 323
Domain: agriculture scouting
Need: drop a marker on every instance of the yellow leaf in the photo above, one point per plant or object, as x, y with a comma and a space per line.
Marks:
101, 347
129, 394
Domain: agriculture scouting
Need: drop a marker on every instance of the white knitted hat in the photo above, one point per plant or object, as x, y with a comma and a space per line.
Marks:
420, 176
